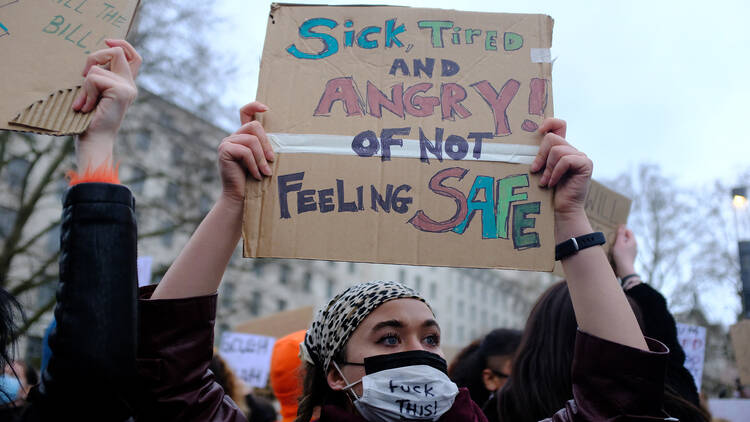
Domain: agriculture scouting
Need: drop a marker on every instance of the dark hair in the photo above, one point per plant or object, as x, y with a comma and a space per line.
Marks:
540, 383
10, 312
225, 377
32, 376
316, 391
466, 368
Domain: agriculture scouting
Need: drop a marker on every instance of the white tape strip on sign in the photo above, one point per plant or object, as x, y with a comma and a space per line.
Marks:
342, 145
541, 55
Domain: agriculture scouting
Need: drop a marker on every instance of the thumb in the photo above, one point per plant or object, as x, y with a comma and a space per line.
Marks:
247, 112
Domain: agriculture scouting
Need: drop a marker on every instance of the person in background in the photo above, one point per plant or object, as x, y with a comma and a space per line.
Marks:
541, 378
286, 373
683, 398
484, 365
226, 378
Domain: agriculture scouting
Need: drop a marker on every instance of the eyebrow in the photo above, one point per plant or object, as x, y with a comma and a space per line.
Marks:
394, 323
431, 323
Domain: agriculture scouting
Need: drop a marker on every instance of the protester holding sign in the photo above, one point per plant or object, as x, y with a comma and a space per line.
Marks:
90, 375
380, 319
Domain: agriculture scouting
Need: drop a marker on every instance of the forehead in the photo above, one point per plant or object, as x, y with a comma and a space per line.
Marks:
410, 312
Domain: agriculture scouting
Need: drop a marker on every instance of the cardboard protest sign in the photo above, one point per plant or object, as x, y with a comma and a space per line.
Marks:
278, 324
740, 334
43, 48
692, 338
606, 210
248, 355
403, 136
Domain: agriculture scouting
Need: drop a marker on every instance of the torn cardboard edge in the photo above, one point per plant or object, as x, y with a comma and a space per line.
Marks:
54, 114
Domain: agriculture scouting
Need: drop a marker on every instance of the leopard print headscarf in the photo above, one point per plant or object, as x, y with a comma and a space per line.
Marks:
334, 324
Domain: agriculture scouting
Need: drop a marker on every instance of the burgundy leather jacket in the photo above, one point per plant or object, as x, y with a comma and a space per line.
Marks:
612, 382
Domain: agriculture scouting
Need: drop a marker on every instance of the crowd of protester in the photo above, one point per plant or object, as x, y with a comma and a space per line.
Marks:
592, 349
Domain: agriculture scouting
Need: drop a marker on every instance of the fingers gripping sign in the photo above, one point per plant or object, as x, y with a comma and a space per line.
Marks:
248, 150
109, 89
563, 167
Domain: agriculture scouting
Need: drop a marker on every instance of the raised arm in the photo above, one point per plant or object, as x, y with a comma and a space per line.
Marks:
600, 304
198, 269
94, 341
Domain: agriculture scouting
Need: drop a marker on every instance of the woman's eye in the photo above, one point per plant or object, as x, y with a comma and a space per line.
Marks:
433, 340
389, 340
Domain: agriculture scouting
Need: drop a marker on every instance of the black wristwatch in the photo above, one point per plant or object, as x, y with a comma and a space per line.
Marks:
575, 244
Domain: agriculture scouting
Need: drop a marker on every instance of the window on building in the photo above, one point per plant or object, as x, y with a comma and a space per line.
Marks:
331, 263
227, 293
402, 275
307, 282
330, 288
255, 303
460, 308
284, 273
46, 293
178, 153
166, 120
138, 180
461, 334
484, 320
16, 170
173, 193
281, 305
205, 203
167, 238
34, 350
473, 313
143, 140
352, 267
257, 268
53, 239
433, 290
418, 284
7, 218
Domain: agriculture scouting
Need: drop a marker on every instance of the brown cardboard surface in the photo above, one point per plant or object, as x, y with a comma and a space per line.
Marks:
279, 324
43, 48
606, 210
740, 334
302, 96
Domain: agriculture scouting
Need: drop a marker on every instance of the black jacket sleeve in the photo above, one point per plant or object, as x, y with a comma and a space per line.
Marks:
93, 347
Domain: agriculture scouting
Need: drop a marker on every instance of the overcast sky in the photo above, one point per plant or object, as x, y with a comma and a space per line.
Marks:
638, 81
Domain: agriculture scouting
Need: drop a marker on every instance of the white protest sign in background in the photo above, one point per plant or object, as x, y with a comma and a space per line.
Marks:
692, 338
144, 270
248, 355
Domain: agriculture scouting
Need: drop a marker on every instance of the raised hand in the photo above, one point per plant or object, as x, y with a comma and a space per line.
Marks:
564, 167
624, 251
246, 150
109, 88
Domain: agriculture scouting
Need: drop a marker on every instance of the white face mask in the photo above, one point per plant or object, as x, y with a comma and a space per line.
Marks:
413, 392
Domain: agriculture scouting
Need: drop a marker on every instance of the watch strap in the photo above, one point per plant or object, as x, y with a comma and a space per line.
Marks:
575, 244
